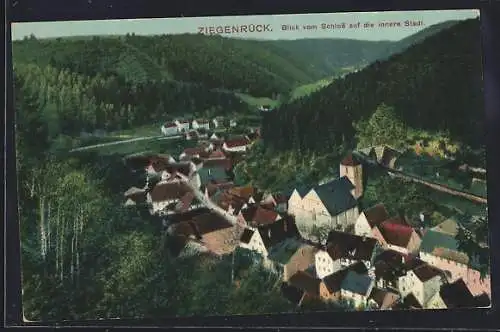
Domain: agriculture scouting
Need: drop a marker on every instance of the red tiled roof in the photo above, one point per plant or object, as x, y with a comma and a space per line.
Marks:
169, 191
224, 163
236, 142
193, 151
256, 215
396, 234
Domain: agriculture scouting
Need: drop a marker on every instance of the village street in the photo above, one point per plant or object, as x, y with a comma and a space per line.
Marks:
160, 137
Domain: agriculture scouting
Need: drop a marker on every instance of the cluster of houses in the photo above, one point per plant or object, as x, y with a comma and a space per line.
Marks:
195, 128
369, 258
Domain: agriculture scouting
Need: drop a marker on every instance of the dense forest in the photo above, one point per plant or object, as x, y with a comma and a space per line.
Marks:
433, 86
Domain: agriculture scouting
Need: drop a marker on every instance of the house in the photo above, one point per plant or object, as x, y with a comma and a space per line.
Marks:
135, 196
232, 123
183, 125
396, 234
329, 205
409, 302
214, 186
440, 248
278, 201
164, 197
216, 154
215, 123
356, 288
222, 163
217, 235
262, 238
453, 295
232, 204
189, 153
145, 161
382, 299
291, 256
254, 215
154, 165
184, 170
239, 144
343, 250
422, 280
330, 286
212, 174
389, 266
351, 168
200, 123
170, 129
191, 135
243, 192
370, 218
306, 286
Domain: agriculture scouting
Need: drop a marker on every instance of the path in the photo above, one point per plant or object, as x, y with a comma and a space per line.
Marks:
436, 186
161, 137
207, 202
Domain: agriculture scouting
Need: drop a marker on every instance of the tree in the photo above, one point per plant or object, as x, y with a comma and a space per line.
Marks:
383, 128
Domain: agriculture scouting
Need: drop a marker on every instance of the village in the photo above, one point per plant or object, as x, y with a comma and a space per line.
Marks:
317, 240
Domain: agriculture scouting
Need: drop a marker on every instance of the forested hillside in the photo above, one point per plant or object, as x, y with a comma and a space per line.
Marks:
326, 57
435, 86
213, 61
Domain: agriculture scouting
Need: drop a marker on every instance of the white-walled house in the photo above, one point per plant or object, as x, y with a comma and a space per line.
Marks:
343, 250
356, 287
215, 123
329, 205
369, 219
236, 145
164, 197
183, 125
200, 123
252, 240
423, 281
170, 129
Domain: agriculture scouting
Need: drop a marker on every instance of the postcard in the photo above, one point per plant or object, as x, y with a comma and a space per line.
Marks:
218, 166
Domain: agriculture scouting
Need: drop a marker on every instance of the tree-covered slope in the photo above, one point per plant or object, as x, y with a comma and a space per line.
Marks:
213, 61
435, 85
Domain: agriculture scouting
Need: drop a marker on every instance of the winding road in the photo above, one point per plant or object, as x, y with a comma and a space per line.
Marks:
160, 137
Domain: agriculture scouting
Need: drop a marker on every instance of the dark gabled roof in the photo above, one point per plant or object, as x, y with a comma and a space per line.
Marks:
345, 245
246, 236
357, 283
376, 215
350, 160
336, 195
334, 281
457, 295
209, 174
209, 222
186, 216
291, 293
181, 167
411, 302
426, 272
384, 298
305, 282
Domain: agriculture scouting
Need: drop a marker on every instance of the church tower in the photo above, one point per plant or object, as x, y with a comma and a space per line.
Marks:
351, 168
